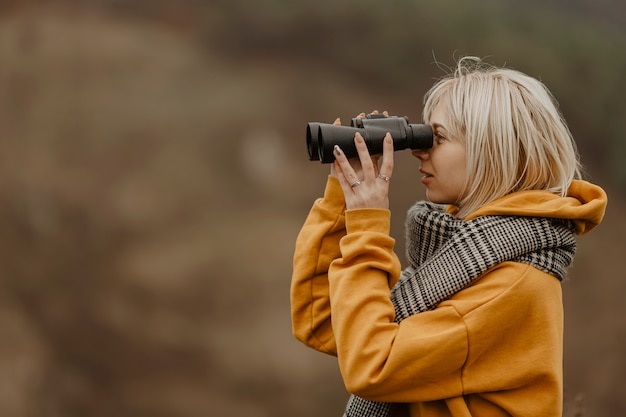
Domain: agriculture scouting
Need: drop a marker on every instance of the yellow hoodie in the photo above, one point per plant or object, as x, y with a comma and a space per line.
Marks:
494, 348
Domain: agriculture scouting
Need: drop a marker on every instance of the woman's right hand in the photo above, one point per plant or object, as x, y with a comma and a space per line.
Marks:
355, 162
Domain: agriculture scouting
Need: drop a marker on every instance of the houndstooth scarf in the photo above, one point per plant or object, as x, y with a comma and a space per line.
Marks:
446, 254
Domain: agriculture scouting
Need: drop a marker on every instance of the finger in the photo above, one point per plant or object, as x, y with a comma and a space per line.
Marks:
346, 174
386, 113
386, 167
367, 165
375, 160
337, 173
334, 172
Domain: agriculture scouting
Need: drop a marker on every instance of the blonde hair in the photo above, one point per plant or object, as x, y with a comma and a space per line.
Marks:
515, 137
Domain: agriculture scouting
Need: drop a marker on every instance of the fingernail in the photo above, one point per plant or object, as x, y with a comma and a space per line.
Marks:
358, 137
388, 138
337, 150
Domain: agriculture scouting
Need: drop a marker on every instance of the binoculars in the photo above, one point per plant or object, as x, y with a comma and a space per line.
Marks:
321, 138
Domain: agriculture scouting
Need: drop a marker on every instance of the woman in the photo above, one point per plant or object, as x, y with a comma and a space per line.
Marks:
474, 325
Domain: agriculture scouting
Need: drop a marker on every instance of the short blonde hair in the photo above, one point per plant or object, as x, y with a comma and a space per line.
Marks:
515, 136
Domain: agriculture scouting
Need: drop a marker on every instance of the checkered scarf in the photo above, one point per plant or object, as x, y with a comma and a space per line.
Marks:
445, 255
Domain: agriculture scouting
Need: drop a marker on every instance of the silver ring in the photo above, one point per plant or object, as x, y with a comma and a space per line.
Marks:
384, 177
355, 183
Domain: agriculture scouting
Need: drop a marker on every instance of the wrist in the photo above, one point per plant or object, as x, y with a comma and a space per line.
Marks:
368, 219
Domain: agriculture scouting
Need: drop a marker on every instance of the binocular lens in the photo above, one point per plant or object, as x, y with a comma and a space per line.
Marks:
312, 140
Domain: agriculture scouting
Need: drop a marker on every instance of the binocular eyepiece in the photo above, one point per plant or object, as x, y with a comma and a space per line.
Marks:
321, 138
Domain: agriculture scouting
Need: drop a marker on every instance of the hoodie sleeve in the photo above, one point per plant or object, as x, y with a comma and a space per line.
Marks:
317, 245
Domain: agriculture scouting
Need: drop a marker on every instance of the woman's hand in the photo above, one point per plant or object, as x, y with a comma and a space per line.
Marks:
362, 183
355, 162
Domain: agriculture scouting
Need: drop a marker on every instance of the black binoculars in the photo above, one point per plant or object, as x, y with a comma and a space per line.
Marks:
321, 138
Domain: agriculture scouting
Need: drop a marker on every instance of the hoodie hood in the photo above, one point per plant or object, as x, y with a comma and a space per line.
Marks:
584, 204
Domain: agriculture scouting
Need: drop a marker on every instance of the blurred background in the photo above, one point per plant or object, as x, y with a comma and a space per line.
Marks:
153, 178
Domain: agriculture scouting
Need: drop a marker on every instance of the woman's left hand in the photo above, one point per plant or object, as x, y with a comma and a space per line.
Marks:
371, 191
